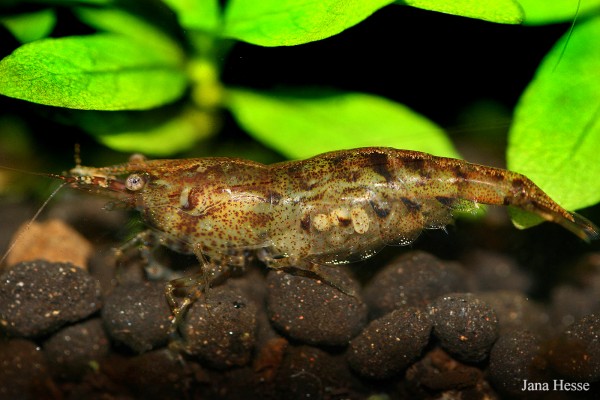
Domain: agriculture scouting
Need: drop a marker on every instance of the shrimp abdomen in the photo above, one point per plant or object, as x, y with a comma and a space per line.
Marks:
358, 200
495, 186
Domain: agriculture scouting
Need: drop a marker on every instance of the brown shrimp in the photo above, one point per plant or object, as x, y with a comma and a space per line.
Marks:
329, 209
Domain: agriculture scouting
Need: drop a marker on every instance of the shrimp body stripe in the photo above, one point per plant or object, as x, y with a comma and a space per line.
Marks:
332, 208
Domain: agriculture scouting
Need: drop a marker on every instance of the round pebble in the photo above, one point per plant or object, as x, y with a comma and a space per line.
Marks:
312, 311
39, 297
221, 328
157, 374
311, 373
576, 354
493, 271
414, 279
466, 326
571, 303
234, 337
513, 359
390, 344
439, 376
52, 240
516, 312
23, 371
77, 349
138, 315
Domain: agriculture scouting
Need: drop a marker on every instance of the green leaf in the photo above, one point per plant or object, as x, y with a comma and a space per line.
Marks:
30, 26
203, 15
302, 126
538, 12
118, 21
523, 219
157, 135
555, 137
292, 22
96, 72
500, 11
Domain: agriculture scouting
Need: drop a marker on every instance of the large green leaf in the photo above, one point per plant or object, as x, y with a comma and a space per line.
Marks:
32, 26
539, 12
96, 72
203, 15
501, 11
292, 22
555, 138
302, 126
160, 134
118, 21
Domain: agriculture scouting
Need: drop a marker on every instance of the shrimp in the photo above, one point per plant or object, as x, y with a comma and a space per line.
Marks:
333, 208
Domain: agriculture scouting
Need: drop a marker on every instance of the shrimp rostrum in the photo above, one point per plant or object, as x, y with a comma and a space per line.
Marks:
329, 209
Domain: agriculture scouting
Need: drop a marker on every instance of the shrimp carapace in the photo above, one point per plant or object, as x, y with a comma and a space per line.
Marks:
331, 208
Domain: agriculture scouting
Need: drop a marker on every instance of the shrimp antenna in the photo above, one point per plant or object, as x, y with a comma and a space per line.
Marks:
31, 221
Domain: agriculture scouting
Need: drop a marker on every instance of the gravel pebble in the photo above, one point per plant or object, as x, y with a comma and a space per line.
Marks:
76, 349
515, 311
493, 271
515, 357
576, 354
414, 279
51, 240
439, 376
239, 383
23, 371
138, 315
577, 294
390, 344
237, 351
311, 373
466, 326
571, 303
221, 328
38, 297
311, 311
157, 374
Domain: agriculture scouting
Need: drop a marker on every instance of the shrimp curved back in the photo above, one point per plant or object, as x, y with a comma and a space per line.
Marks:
346, 204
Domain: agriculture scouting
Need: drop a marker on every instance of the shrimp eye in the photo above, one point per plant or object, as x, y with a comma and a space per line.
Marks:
135, 182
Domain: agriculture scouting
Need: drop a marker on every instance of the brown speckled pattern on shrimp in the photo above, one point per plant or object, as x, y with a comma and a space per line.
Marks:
329, 209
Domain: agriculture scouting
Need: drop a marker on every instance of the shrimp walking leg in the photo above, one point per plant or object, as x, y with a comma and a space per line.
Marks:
321, 273
146, 243
191, 288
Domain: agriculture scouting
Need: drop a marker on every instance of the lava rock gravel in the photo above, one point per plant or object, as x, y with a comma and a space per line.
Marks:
221, 328
138, 316
576, 354
73, 351
39, 297
515, 357
390, 344
312, 311
419, 328
413, 279
24, 371
465, 326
